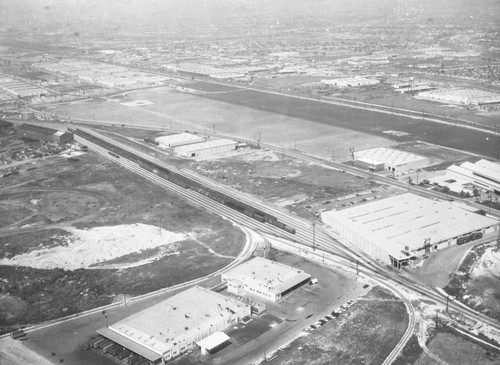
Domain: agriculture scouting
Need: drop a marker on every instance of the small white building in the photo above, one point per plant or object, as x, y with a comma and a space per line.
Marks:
264, 279
173, 326
396, 161
176, 140
208, 148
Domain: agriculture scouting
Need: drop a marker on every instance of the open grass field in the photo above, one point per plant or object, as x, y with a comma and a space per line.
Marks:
365, 121
73, 208
178, 111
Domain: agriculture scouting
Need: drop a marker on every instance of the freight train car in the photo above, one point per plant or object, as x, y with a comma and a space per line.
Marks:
187, 182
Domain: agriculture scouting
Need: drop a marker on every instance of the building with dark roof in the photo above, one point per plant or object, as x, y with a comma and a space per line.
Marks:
44, 133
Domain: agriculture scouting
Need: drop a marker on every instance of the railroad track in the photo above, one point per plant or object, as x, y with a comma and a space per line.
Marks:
324, 242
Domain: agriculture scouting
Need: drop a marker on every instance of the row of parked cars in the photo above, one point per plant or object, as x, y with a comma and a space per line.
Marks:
334, 314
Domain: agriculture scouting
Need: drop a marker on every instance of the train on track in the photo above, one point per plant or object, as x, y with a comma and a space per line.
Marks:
186, 182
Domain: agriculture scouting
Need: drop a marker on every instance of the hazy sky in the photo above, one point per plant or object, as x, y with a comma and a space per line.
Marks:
26, 13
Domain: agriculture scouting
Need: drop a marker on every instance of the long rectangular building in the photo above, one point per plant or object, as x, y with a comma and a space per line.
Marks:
175, 325
400, 228
207, 148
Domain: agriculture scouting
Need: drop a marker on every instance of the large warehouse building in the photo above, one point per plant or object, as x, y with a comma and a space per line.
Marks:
383, 158
400, 228
264, 279
206, 149
482, 174
180, 139
175, 325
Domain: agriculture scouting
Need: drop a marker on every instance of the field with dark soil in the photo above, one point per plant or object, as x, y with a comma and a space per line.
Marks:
366, 334
364, 121
59, 197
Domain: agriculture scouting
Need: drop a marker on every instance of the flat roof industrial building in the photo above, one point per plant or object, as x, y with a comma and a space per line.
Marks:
179, 139
265, 279
482, 174
207, 148
402, 227
383, 158
175, 325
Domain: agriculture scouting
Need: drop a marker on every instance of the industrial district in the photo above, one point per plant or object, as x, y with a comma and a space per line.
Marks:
249, 182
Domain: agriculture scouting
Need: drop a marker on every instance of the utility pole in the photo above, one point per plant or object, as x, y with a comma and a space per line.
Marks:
357, 267
314, 236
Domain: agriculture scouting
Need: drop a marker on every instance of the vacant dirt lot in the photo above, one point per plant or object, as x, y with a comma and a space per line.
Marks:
299, 186
476, 281
58, 258
456, 350
365, 334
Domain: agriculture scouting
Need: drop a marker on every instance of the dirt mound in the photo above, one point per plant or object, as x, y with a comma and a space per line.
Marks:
89, 247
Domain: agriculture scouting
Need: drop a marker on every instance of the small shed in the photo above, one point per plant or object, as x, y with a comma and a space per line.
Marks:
213, 343
61, 137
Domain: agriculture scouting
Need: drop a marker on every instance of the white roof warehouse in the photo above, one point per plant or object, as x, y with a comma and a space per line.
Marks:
264, 278
402, 227
173, 326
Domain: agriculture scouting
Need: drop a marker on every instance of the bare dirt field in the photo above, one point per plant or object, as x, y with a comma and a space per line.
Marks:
365, 334
179, 111
300, 186
88, 231
457, 350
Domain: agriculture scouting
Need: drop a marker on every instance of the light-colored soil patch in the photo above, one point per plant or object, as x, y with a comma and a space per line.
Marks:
291, 200
90, 247
484, 285
488, 264
136, 103
13, 352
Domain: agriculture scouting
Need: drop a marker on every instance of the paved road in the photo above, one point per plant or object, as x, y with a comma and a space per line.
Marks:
325, 244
